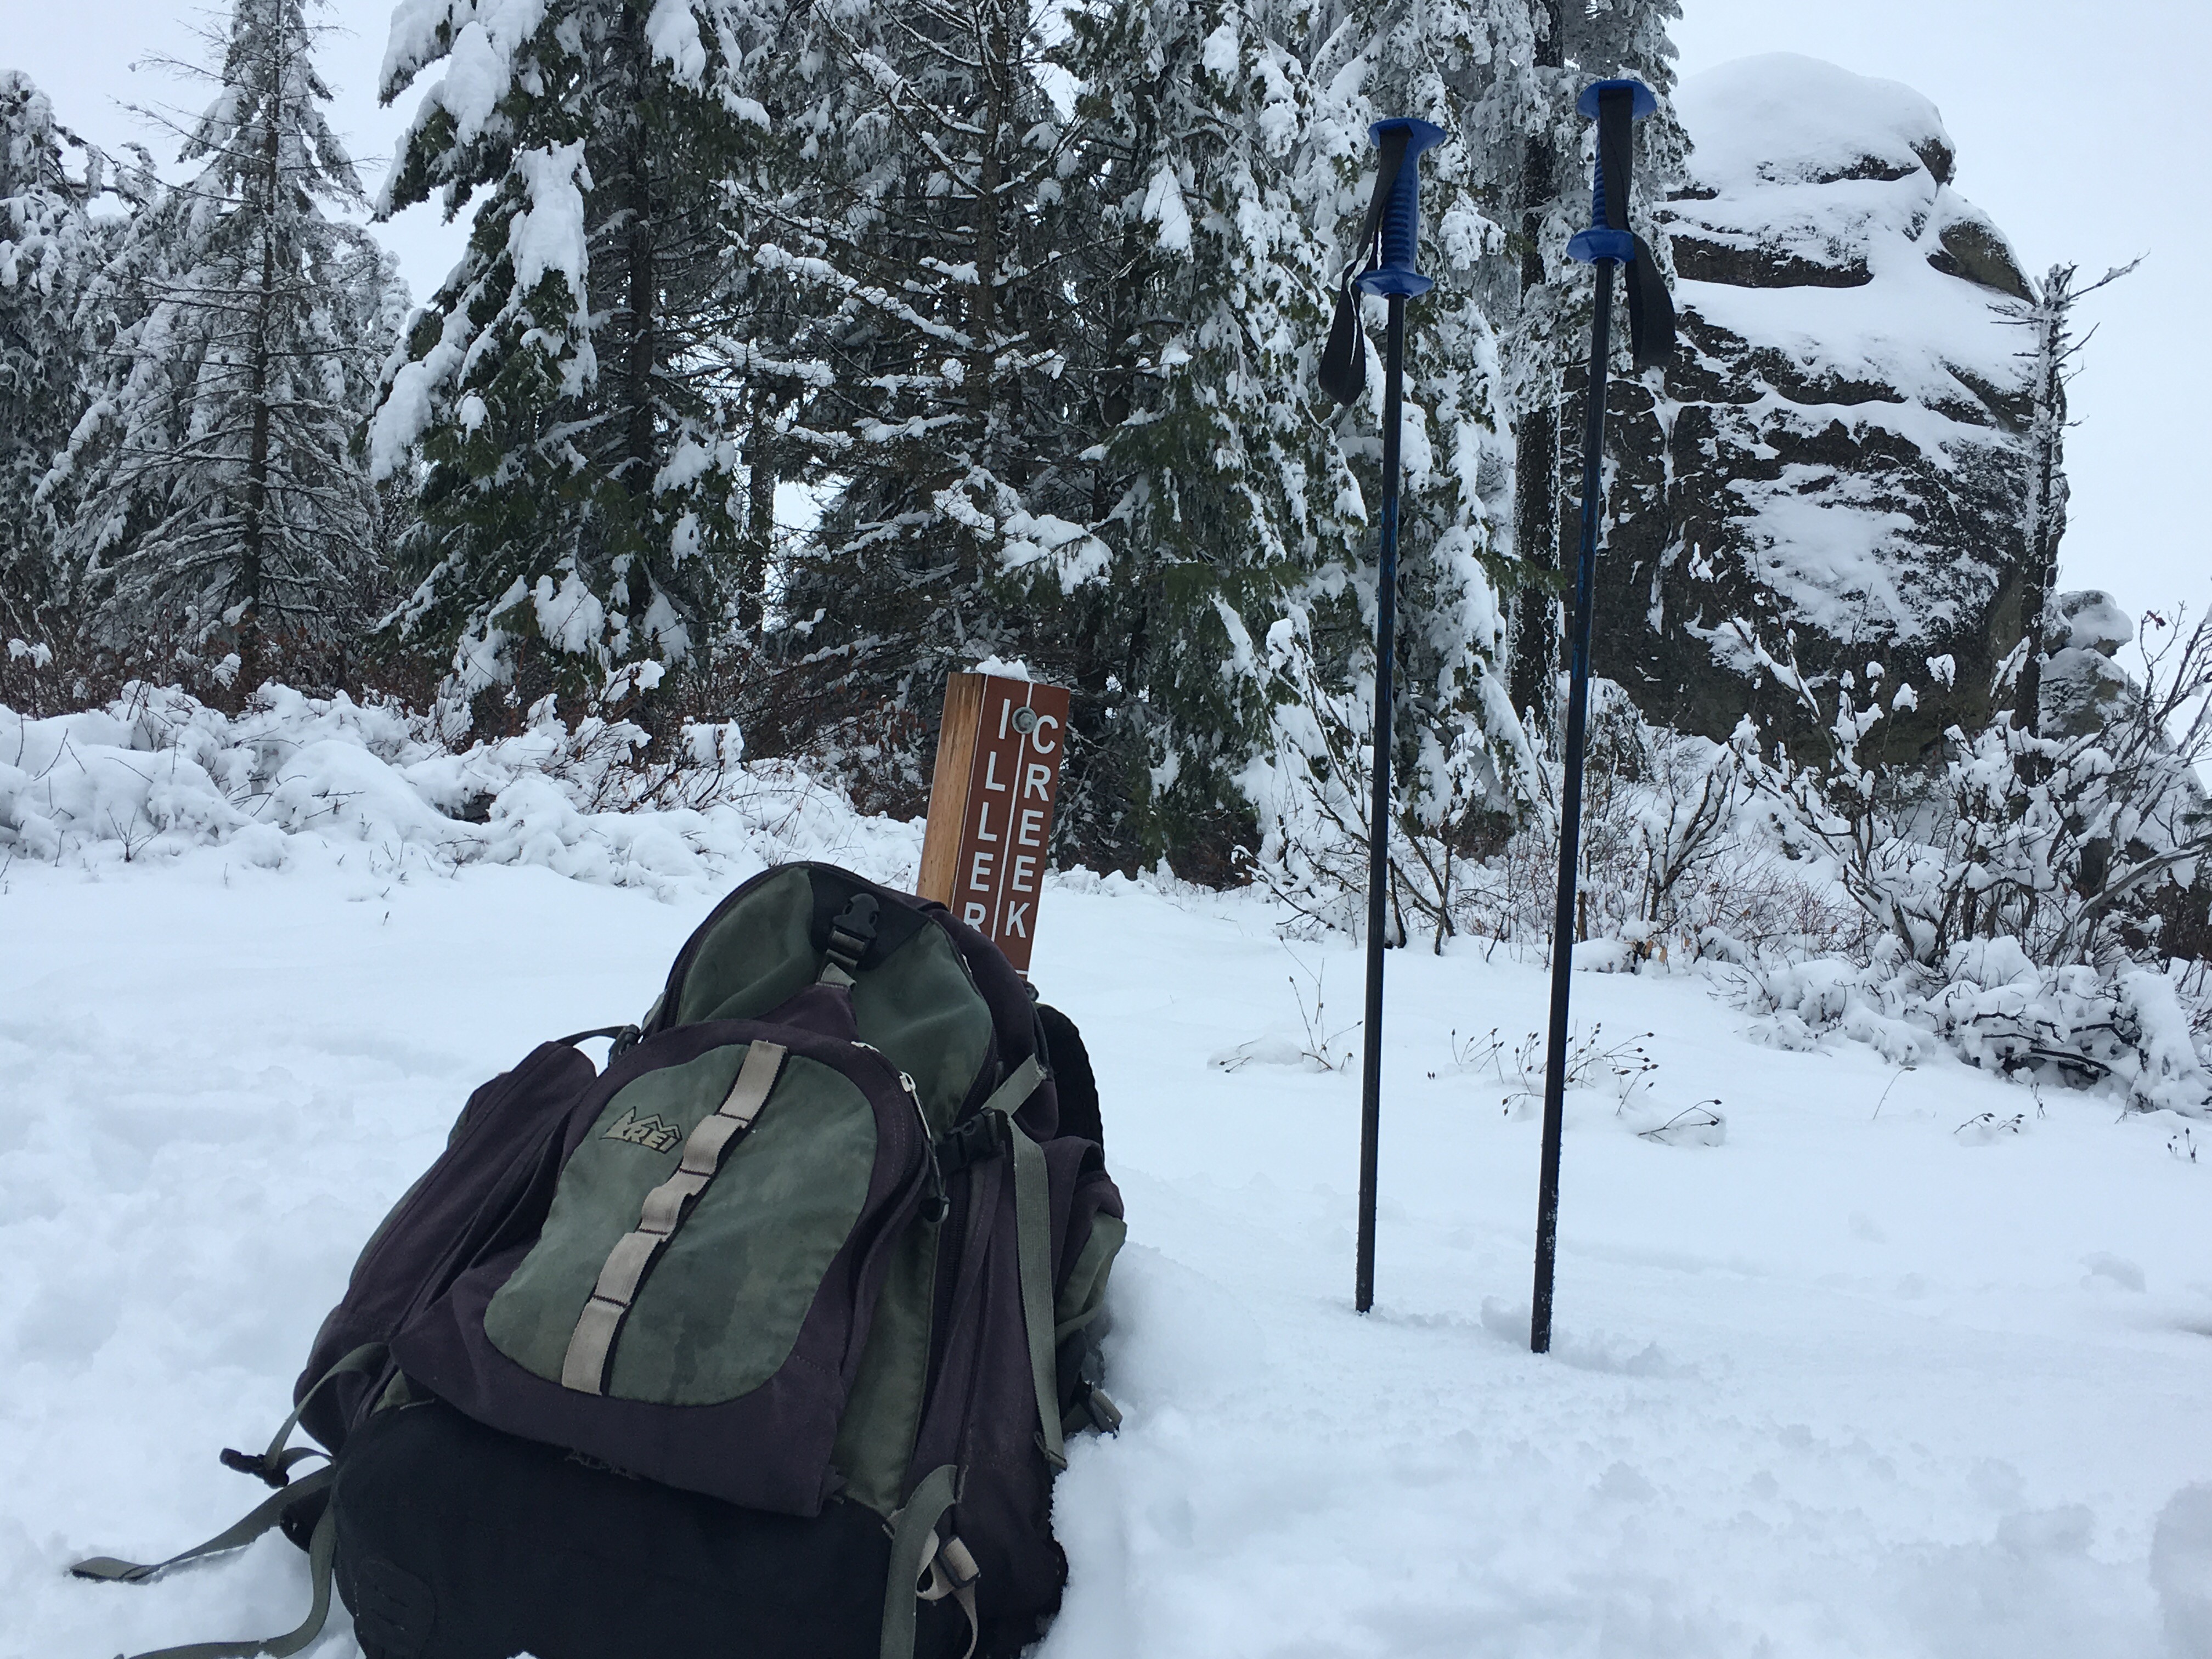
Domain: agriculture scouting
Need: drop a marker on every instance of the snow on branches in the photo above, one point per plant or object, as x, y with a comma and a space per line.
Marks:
212, 485
553, 389
2051, 869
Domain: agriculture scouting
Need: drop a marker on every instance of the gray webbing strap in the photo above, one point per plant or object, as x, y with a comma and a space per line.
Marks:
1021, 1083
249, 1527
591, 1345
365, 1357
321, 1550
915, 1550
1033, 1239
270, 1510
953, 1572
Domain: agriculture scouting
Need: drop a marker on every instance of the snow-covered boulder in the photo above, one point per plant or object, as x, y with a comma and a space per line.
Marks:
1835, 456
2094, 622
2081, 684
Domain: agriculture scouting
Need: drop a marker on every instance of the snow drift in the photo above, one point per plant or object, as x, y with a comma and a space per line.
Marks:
157, 772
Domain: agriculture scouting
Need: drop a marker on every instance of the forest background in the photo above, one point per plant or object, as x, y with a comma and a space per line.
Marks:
2072, 139
723, 422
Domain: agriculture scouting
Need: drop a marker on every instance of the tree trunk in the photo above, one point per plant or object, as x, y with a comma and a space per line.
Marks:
997, 69
1536, 430
252, 532
1536, 543
760, 520
2046, 492
640, 461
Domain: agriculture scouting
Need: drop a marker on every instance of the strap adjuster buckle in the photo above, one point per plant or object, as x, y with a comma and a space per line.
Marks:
985, 1136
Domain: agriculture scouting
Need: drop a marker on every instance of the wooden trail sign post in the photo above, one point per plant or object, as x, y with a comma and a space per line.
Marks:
998, 753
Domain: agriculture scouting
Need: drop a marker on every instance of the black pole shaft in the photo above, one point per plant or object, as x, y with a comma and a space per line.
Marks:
1571, 819
1378, 818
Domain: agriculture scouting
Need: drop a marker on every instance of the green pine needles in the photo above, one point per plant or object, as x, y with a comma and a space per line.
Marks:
815, 349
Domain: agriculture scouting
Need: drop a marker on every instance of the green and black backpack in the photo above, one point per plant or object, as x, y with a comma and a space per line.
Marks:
763, 1343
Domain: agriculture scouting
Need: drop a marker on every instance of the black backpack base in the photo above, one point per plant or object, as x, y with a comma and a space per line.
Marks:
434, 1509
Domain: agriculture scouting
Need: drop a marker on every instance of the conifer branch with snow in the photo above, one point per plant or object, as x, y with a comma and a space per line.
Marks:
218, 490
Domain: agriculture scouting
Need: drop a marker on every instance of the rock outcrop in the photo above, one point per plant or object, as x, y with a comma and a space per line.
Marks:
1834, 462
2082, 685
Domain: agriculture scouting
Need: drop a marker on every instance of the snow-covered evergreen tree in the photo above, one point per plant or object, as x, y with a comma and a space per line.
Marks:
1237, 165
1216, 474
219, 493
568, 386
927, 227
50, 250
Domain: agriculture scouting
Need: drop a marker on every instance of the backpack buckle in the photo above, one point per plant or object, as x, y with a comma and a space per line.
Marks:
850, 936
271, 1469
254, 1464
982, 1137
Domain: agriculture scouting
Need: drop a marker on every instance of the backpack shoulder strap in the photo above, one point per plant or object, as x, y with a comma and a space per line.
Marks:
1033, 1249
993, 1127
322, 1550
915, 1549
273, 1465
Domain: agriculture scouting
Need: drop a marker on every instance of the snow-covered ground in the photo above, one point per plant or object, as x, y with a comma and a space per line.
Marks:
1855, 1381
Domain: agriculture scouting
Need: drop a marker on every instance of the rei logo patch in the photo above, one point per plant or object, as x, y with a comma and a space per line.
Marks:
652, 1132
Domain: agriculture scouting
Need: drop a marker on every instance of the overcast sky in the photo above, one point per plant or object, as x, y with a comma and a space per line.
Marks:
2074, 124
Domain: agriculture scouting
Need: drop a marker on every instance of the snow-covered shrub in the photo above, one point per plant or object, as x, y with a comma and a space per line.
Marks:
2060, 838
1666, 868
1457, 785
156, 773
2022, 893
1992, 1006
1667, 863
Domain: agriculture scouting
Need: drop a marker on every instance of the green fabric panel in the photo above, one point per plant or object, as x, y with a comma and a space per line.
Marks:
1084, 1292
598, 1199
758, 956
918, 1004
601, 1192
920, 1008
720, 1310
875, 1437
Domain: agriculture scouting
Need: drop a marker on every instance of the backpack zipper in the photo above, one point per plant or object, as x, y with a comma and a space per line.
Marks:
938, 1205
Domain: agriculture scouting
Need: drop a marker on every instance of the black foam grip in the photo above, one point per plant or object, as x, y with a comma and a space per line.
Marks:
1650, 308
1344, 361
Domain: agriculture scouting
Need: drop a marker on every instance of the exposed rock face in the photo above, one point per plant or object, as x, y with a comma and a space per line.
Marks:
1835, 457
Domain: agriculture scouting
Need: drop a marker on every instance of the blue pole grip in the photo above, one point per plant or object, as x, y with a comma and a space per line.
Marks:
1401, 217
1601, 240
1399, 231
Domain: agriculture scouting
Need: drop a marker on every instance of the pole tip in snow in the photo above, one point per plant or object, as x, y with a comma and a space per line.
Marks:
1402, 214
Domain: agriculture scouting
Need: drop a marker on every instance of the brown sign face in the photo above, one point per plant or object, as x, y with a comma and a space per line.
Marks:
998, 756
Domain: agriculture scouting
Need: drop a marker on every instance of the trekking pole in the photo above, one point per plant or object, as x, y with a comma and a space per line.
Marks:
1388, 244
1614, 105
